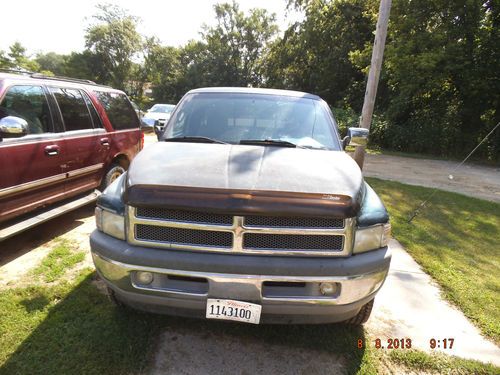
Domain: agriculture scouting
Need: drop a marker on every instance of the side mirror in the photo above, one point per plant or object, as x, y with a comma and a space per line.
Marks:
357, 136
13, 127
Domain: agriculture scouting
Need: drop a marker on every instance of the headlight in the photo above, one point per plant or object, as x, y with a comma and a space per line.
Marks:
371, 238
110, 223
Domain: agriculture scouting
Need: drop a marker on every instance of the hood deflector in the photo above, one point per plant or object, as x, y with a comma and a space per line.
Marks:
243, 202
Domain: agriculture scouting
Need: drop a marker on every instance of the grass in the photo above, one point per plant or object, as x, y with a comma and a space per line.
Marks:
58, 261
70, 328
456, 240
439, 363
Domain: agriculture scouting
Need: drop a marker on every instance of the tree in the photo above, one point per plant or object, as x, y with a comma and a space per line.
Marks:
443, 69
315, 54
114, 40
236, 45
52, 62
17, 59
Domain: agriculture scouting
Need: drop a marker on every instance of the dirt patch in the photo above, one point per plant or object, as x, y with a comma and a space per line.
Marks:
193, 352
21, 253
472, 180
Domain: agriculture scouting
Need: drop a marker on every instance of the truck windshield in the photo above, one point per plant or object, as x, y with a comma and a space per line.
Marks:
236, 117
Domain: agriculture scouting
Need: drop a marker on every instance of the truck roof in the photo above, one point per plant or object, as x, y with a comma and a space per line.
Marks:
251, 90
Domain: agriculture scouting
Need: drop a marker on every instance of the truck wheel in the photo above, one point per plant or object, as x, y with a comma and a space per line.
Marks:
112, 174
362, 316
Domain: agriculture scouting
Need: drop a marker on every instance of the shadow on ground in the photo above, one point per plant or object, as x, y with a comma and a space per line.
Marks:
76, 329
24, 242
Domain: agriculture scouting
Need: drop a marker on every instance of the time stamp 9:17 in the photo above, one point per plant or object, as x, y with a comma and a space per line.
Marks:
405, 343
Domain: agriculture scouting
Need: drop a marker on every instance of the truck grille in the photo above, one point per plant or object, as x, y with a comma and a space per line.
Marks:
292, 242
273, 235
183, 236
184, 216
292, 222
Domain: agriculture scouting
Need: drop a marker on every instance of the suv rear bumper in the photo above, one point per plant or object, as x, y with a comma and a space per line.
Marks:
286, 287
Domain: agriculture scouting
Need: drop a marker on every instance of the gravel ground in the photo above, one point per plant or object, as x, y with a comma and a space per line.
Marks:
470, 179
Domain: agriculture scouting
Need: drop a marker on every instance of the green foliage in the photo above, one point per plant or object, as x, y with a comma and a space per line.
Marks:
16, 58
231, 53
439, 90
114, 40
442, 67
314, 55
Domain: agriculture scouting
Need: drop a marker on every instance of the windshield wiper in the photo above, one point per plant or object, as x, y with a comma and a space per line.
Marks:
268, 142
193, 139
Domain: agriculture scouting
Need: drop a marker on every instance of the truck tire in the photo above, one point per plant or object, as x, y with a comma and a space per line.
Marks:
362, 316
113, 172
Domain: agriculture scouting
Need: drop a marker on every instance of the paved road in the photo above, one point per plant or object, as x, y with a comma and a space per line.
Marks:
470, 179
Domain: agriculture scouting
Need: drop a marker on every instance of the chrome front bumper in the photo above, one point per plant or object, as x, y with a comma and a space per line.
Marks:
284, 298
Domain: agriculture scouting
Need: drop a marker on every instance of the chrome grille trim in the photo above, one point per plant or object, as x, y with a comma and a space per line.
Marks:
238, 230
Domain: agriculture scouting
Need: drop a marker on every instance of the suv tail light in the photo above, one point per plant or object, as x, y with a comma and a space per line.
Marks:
142, 141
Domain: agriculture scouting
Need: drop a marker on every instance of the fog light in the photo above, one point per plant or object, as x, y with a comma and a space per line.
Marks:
327, 289
144, 277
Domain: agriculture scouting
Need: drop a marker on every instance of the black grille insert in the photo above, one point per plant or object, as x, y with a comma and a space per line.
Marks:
261, 241
293, 222
184, 216
183, 236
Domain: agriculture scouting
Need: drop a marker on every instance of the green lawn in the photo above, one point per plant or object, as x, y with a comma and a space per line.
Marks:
456, 239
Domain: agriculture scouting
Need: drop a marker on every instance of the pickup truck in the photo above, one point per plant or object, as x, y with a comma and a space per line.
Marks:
247, 209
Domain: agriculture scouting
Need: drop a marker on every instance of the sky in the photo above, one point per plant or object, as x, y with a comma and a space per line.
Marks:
59, 26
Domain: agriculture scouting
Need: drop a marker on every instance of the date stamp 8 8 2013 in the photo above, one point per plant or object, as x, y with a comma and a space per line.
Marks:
406, 343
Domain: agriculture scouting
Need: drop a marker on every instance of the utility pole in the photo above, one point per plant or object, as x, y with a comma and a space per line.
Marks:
374, 74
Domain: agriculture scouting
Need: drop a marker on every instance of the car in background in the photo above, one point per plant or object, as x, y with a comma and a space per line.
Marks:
156, 117
60, 139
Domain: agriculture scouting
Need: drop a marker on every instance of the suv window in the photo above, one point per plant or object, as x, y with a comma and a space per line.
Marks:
24, 110
119, 110
95, 117
73, 108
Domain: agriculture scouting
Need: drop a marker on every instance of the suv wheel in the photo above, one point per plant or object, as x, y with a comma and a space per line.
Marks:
362, 316
112, 174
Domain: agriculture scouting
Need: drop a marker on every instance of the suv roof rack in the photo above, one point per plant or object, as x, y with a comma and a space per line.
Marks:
15, 70
62, 78
43, 76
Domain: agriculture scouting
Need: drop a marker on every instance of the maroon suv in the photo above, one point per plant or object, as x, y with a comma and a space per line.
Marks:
59, 140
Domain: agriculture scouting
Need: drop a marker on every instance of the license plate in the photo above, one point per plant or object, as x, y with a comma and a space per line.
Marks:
227, 309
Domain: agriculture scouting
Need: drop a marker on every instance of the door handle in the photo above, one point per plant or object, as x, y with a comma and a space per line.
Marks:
105, 141
52, 150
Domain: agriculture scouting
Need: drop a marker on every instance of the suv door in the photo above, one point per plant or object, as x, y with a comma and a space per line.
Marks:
87, 142
32, 153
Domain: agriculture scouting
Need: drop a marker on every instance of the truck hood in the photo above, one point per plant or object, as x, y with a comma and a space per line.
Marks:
245, 179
